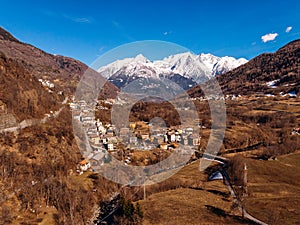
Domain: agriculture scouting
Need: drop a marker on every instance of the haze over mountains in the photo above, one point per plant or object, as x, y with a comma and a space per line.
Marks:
185, 69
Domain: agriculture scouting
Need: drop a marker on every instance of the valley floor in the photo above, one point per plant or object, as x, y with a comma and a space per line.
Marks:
197, 202
273, 196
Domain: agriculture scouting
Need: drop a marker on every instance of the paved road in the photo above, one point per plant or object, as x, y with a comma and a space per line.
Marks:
236, 200
223, 161
32, 122
241, 209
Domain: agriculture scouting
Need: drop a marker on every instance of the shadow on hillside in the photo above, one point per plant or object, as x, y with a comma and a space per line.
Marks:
221, 213
221, 193
196, 188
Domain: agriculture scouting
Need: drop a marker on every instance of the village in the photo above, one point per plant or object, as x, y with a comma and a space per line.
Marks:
122, 143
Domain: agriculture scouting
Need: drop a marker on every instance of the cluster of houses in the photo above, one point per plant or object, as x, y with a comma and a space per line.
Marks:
219, 97
243, 97
104, 138
46, 83
175, 136
101, 137
153, 137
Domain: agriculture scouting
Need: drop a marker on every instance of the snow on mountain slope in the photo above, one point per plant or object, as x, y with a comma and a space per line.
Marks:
226, 64
196, 68
110, 69
187, 65
209, 60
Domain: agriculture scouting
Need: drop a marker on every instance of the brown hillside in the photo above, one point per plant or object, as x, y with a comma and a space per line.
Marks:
22, 93
21, 67
250, 78
39, 183
63, 71
4, 35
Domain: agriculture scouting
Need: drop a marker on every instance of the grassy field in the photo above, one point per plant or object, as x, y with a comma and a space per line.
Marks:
274, 196
189, 206
274, 188
194, 202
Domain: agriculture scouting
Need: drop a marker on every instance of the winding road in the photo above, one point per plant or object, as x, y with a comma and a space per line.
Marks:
32, 122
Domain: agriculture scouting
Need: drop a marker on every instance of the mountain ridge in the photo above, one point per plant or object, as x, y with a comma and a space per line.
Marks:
275, 73
192, 67
5, 35
41, 63
47, 78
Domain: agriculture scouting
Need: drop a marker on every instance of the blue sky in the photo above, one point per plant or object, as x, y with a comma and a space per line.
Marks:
87, 29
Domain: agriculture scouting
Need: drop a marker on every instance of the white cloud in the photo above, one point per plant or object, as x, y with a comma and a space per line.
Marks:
269, 37
288, 29
82, 20
68, 17
167, 32
77, 19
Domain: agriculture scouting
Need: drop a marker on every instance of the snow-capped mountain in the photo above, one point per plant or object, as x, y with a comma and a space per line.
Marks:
185, 69
110, 69
209, 60
145, 71
188, 65
226, 64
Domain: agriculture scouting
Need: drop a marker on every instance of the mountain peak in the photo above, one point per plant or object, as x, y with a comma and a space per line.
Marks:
186, 67
141, 58
184, 55
207, 55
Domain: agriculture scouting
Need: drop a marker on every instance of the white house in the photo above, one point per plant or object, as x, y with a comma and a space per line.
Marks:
189, 130
177, 137
172, 137
101, 129
110, 146
166, 138
84, 165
